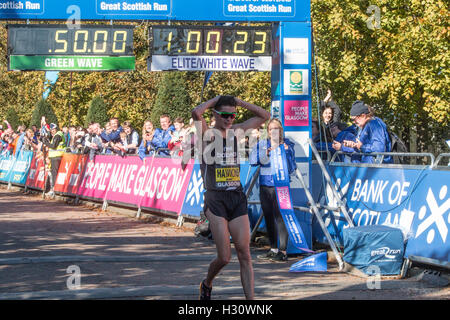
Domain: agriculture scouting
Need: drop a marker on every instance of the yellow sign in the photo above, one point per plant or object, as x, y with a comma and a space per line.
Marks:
227, 174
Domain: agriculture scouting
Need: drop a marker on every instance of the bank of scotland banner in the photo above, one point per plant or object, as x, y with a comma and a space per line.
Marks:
415, 200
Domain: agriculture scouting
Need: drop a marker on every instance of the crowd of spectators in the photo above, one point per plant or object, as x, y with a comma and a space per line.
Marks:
111, 138
367, 134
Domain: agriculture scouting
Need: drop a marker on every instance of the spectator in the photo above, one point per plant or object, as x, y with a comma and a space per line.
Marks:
329, 107
372, 135
188, 143
56, 146
78, 144
146, 147
28, 142
322, 145
175, 143
71, 139
162, 135
114, 135
93, 142
348, 134
120, 147
276, 229
132, 138
65, 131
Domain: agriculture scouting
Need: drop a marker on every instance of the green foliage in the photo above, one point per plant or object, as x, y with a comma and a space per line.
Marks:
97, 112
43, 108
13, 118
172, 98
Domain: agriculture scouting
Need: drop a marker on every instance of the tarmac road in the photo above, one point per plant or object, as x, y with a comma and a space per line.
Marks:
44, 243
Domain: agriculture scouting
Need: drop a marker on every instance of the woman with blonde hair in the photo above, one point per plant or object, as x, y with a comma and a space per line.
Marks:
260, 155
146, 147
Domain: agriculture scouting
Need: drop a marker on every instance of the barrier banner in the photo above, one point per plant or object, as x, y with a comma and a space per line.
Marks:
37, 175
70, 172
281, 181
158, 183
19, 171
6, 164
415, 200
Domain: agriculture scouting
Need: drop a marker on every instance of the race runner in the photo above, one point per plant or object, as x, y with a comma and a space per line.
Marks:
225, 201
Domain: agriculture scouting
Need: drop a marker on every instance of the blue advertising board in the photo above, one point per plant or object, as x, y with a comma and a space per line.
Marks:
416, 200
6, 165
15, 169
175, 10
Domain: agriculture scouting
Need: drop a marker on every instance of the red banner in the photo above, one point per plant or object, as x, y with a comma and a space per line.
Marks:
70, 172
37, 176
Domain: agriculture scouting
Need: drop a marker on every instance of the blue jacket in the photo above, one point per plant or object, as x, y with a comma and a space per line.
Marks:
160, 139
114, 136
19, 144
258, 157
374, 138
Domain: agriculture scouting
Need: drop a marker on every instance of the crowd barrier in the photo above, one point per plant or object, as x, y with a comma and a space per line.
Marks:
416, 198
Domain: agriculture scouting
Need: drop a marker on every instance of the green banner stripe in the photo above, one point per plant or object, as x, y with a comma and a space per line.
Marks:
72, 63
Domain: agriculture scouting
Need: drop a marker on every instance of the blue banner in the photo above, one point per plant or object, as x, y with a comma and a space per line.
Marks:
175, 10
416, 200
281, 181
6, 165
21, 167
314, 263
15, 169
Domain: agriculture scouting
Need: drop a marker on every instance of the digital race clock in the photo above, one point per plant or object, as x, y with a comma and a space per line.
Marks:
57, 47
214, 48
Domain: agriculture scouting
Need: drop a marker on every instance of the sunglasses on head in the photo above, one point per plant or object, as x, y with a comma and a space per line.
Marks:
226, 115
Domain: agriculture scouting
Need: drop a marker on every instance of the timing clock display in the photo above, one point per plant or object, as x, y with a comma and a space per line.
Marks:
57, 47
215, 48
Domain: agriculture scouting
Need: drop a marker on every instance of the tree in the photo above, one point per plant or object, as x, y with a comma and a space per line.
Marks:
97, 112
13, 118
392, 54
43, 108
172, 98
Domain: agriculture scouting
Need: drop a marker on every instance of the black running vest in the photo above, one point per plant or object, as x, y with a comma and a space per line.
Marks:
224, 173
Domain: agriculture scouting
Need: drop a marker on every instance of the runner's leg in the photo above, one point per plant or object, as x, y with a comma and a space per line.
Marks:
240, 232
221, 236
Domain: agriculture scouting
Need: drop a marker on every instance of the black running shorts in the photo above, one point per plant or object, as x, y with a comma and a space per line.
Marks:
226, 204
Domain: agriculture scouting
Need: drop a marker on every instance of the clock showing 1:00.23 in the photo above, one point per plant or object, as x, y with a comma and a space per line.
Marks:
61, 40
211, 40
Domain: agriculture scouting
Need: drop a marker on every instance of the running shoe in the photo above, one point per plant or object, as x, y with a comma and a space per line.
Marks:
205, 291
279, 257
267, 256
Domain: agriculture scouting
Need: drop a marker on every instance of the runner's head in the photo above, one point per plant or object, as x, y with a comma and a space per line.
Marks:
225, 112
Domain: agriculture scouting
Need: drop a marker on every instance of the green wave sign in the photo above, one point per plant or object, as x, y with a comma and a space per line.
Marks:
72, 63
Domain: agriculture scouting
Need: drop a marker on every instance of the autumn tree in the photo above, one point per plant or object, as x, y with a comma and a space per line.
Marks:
43, 109
393, 54
98, 112
13, 118
172, 98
